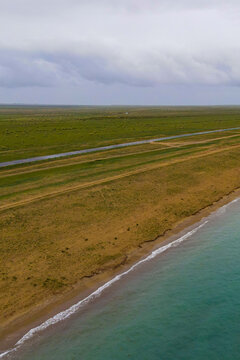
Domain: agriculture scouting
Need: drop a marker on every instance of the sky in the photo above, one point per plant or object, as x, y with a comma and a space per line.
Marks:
106, 52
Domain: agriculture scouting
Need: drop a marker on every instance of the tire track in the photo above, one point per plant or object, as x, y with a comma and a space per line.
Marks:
110, 179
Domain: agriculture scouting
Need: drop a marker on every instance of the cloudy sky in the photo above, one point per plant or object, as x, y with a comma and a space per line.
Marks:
120, 51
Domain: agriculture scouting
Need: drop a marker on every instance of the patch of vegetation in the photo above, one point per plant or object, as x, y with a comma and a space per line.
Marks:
53, 284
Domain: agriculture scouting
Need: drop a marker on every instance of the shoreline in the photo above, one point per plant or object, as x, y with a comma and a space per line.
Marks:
86, 288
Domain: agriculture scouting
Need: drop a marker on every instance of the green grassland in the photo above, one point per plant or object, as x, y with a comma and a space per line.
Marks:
30, 181
27, 132
64, 220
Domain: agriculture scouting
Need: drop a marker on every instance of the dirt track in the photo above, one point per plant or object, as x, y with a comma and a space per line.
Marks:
111, 178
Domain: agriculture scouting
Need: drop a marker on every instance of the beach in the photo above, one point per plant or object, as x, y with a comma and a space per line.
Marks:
17, 330
70, 226
119, 180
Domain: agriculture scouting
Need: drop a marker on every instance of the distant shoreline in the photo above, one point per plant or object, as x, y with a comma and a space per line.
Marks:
18, 328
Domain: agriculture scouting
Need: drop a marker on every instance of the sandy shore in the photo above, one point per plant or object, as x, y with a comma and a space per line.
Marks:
17, 328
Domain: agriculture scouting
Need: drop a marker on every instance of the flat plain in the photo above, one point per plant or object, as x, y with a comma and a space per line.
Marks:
63, 221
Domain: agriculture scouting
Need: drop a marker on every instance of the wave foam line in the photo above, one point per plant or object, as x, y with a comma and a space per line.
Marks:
74, 308
224, 207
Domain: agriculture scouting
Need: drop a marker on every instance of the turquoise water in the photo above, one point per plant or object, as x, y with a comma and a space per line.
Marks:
183, 304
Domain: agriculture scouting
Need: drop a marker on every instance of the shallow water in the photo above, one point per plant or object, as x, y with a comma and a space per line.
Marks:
183, 304
108, 147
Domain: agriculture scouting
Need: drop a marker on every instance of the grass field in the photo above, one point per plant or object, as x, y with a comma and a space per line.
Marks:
27, 132
67, 219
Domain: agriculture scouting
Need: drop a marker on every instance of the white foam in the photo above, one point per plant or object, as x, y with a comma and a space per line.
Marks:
224, 207
74, 308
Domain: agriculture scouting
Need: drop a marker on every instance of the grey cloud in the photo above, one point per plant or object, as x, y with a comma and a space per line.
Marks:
54, 6
52, 43
19, 69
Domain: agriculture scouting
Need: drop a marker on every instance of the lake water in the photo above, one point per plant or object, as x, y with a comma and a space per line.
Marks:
184, 304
